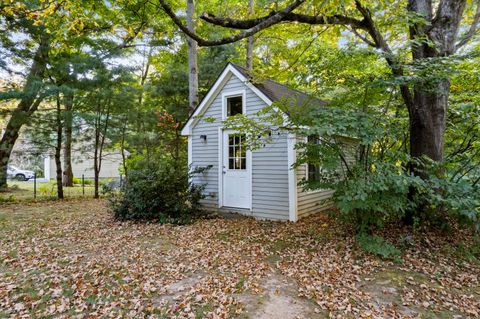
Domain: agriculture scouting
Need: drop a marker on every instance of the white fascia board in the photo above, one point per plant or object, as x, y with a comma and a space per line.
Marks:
207, 100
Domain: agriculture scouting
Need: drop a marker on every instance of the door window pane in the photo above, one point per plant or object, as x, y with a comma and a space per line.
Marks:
237, 153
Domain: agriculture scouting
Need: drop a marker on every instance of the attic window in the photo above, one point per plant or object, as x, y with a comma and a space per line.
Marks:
234, 105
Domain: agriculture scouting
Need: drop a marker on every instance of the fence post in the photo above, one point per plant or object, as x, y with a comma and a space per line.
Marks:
83, 184
34, 185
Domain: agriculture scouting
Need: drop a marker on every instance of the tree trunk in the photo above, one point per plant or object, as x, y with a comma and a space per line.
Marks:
192, 60
100, 142
25, 108
122, 145
67, 151
58, 150
428, 122
249, 49
96, 162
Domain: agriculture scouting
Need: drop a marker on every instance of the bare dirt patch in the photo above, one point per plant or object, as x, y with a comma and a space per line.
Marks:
279, 299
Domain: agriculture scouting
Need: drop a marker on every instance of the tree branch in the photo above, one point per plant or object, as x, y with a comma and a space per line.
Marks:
381, 44
471, 32
289, 17
276, 18
363, 38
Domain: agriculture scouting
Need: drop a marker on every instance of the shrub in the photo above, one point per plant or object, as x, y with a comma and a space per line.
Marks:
161, 193
48, 189
78, 181
370, 199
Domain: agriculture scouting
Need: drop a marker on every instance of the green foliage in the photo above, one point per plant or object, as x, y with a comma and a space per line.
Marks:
86, 181
160, 193
48, 189
442, 196
371, 198
378, 246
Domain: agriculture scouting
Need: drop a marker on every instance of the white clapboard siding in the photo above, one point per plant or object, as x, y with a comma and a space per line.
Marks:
309, 202
269, 163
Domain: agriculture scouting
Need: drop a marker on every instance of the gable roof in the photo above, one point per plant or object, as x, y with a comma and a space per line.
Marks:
268, 90
276, 91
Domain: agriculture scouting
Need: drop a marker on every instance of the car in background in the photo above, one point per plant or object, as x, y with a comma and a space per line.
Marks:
19, 174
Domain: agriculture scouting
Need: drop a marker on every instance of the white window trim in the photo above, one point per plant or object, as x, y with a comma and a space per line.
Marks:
229, 94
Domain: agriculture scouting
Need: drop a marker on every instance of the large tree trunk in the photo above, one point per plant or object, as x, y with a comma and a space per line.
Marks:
58, 150
67, 151
428, 122
192, 60
428, 110
25, 108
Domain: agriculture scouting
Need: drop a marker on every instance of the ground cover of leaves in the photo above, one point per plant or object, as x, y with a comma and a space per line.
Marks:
71, 259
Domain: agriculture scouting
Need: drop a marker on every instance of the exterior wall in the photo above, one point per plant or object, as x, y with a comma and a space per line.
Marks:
26, 156
82, 163
269, 163
309, 202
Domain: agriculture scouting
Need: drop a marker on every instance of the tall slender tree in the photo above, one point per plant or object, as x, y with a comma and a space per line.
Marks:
249, 48
192, 58
68, 128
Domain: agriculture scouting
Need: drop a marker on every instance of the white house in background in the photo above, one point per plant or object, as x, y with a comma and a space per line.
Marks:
259, 183
82, 164
27, 156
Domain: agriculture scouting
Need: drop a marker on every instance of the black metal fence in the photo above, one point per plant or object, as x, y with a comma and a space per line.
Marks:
39, 189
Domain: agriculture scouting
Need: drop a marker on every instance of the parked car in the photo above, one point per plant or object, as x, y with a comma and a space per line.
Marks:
19, 174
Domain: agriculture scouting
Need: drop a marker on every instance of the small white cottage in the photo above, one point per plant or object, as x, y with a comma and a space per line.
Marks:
259, 183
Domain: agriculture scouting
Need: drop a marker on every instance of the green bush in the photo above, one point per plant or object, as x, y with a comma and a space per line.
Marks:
370, 199
161, 193
48, 189
78, 181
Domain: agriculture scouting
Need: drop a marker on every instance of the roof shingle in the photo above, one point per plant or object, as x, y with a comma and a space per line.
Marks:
277, 92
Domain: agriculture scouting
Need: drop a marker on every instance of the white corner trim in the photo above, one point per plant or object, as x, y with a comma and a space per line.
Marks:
249, 155
220, 166
190, 150
228, 94
292, 178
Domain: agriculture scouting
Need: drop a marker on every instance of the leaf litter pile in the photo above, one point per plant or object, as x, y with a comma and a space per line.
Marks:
71, 259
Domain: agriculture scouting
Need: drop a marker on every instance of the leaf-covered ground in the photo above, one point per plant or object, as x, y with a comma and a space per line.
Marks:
70, 259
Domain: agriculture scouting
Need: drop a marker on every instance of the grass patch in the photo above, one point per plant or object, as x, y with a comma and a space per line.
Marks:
378, 246
202, 311
280, 245
224, 236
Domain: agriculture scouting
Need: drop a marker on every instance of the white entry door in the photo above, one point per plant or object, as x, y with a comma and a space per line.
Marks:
236, 171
